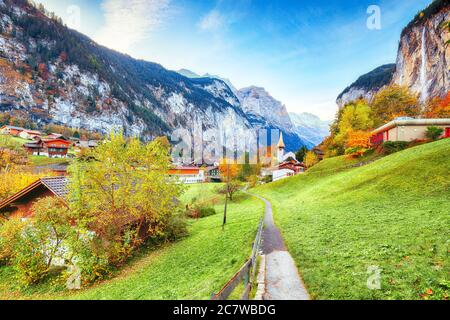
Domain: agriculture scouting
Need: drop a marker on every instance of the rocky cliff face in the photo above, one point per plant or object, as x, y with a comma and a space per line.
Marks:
423, 62
56, 75
265, 112
258, 104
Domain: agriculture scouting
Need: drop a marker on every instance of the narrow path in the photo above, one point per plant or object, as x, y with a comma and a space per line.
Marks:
282, 279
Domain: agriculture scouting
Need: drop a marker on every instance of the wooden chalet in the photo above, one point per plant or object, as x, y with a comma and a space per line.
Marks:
52, 148
84, 144
213, 174
188, 175
319, 153
20, 205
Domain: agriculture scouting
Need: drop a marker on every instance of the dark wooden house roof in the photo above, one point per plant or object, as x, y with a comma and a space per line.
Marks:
56, 185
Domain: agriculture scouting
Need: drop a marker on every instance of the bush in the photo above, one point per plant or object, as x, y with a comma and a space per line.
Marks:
33, 247
391, 147
207, 212
433, 133
29, 261
252, 181
9, 235
89, 258
200, 211
176, 228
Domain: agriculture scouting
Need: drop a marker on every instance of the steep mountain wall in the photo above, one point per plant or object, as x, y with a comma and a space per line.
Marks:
58, 75
423, 62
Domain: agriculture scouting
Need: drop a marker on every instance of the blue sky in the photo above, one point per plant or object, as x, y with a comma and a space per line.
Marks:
303, 52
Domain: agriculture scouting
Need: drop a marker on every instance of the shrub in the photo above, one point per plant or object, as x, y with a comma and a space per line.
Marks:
89, 258
29, 261
252, 181
32, 247
176, 228
358, 144
434, 133
390, 147
9, 235
199, 211
207, 212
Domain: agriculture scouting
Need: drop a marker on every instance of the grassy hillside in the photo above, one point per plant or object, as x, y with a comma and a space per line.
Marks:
392, 213
192, 268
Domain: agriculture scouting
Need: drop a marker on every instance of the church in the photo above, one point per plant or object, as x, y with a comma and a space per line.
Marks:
284, 165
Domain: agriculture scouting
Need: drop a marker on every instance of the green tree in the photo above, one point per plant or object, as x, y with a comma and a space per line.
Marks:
434, 133
300, 154
10, 231
32, 246
446, 28
52, 224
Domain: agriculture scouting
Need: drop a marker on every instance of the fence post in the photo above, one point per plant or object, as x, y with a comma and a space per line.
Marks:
246, 274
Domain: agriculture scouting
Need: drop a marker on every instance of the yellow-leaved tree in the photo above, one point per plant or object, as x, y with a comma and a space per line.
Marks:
311, 159
355, 116
392, 102
123, 194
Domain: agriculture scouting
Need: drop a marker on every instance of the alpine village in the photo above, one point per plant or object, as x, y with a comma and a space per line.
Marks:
98, 202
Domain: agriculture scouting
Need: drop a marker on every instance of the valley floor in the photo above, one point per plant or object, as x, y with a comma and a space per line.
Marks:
390, 217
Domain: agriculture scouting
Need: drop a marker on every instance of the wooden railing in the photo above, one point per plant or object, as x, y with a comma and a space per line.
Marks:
246, 274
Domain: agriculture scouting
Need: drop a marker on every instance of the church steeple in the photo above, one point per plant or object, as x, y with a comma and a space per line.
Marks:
281, 142
281, 147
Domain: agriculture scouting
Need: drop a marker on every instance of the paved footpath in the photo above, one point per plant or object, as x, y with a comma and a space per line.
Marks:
282, 279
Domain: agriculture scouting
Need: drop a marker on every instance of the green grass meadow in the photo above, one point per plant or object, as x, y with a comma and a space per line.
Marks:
192, 268
393, 214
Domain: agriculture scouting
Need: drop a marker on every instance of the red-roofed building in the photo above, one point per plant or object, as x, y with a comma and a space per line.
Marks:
293, 165
188, 175
52, 148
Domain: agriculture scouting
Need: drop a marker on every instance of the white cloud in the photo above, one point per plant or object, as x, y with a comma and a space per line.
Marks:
128, 22
212, 21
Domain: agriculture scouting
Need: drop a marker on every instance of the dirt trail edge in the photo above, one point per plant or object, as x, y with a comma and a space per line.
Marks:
282, 279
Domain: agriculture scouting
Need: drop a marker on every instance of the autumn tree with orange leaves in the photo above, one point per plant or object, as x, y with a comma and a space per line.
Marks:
229, 173
438, 107
357, 144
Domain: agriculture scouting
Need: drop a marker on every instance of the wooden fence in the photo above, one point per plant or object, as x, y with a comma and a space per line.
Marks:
246, 274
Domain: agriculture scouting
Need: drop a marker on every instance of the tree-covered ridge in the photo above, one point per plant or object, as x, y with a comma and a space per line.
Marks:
375, 79
131, 81
435, 7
